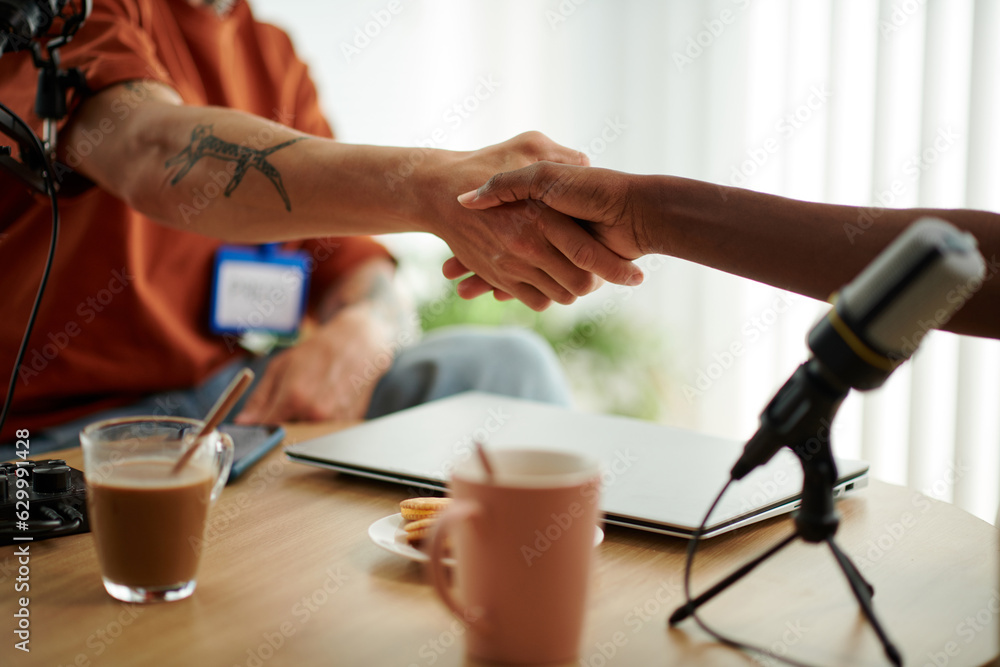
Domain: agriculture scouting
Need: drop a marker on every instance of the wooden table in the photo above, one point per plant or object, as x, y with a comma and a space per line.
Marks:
291, 578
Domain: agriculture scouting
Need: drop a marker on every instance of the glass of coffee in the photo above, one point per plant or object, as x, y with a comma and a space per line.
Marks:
148, 521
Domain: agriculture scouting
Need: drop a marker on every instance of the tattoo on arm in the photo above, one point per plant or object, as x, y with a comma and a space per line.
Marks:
205, 144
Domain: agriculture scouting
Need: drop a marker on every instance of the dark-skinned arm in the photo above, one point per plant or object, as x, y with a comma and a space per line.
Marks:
806, 247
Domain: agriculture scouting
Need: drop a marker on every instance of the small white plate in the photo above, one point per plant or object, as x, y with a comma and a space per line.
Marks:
388, 533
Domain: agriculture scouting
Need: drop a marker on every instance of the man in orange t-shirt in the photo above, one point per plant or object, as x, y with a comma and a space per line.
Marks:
182, 97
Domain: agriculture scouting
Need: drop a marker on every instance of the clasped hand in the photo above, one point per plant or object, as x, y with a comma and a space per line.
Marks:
522, 247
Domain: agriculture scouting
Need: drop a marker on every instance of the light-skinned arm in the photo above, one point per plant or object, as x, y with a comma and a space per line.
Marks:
806, 247
272, 183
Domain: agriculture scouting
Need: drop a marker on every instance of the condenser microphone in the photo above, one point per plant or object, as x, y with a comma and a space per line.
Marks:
877, 321
24, 20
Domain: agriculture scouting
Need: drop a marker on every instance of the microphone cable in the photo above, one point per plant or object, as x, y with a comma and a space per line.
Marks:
50, 187
717, 636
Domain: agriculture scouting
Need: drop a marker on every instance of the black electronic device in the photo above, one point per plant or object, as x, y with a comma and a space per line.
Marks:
41, 27
24, 24
22, 21
878, 320
250, 443
53, 496
41, 499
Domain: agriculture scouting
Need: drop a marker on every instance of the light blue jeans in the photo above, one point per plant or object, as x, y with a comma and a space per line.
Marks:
508, 361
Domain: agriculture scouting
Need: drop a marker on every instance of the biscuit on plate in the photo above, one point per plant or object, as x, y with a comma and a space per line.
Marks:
419, 530
414, 509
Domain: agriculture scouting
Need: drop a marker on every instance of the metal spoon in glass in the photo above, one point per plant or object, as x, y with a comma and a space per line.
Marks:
222, 407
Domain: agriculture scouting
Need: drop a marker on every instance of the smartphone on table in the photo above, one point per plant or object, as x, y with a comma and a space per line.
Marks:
250, 442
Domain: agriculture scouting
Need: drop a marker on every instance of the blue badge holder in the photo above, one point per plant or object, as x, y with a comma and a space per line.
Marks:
270, 254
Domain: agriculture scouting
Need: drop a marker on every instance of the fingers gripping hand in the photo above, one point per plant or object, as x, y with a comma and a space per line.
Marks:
600, 198
474, 285
533, 253
524, 249
574, 249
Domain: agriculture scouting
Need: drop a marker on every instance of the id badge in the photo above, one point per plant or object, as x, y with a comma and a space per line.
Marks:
259, 290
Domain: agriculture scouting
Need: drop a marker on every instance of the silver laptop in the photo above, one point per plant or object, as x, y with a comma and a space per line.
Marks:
654, 478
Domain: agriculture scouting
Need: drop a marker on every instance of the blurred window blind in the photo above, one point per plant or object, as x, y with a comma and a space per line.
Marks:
847, 101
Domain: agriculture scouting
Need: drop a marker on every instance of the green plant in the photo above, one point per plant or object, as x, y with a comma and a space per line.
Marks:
612, 361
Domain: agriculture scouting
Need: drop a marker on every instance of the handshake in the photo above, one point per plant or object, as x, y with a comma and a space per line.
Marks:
548, 231
546, 227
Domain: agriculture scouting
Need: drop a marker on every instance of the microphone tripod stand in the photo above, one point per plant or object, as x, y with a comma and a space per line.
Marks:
816, 520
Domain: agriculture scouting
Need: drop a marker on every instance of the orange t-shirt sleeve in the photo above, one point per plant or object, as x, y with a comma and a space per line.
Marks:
113, 46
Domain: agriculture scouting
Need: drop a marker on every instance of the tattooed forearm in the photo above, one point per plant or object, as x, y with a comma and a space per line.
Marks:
205, 144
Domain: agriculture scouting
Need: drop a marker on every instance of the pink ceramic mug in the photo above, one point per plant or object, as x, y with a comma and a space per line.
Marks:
523, 543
